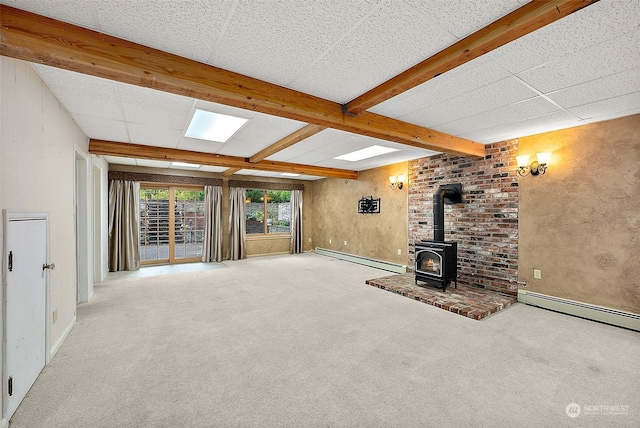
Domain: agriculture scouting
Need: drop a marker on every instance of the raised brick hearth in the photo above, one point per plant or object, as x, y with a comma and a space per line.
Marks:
466, 301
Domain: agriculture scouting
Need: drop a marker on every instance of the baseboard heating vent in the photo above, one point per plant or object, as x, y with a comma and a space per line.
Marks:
583, 310
379, 264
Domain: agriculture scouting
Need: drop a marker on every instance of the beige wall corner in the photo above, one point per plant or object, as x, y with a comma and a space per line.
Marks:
580, 222
375, 236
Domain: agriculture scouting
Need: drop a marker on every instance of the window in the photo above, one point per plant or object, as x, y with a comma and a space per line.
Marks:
268, 212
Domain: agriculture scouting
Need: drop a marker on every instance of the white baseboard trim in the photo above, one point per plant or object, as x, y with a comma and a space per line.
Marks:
56, 346
583, 310
379, 264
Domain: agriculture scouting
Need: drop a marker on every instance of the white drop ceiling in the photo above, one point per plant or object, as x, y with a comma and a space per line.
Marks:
581, 69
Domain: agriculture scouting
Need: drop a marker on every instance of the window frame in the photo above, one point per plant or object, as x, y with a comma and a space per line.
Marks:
171, 189
265, 233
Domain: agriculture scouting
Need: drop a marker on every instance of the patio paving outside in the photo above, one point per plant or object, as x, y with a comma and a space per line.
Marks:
161, 252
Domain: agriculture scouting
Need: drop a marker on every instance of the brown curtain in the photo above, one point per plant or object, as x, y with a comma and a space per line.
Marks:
237, 224
124, 218
296, 222
212, 245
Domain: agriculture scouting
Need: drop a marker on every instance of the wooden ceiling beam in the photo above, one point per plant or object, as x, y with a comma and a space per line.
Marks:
229, 172
139, 151
522, 21
47, 41
288, 141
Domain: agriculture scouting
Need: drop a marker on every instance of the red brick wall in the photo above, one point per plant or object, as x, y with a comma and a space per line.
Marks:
485, 224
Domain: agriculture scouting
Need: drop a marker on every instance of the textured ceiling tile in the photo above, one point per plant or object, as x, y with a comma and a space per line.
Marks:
594, 24
257, 173
120, 161
463, 17
508, 114
391, 39
149, 107
153, 163
334, 163
600, 89
287, 154
310, 158
610, 57
466, 78
613, 115
265, 130
223, 109
185, 28
73, 11
242, 148
102, 129
323, 139
350, 144
536, 125
196, 145
622, 105
387, 159
82, 94
277, 40
499, 94
209, 168
154, 136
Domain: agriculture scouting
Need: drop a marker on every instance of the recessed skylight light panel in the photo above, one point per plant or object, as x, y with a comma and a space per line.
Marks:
206, 125
366, 153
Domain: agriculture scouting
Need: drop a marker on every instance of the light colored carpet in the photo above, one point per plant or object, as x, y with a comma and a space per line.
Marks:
302, 341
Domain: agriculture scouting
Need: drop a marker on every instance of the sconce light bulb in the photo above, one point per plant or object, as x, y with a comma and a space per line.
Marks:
544, 157
522, 160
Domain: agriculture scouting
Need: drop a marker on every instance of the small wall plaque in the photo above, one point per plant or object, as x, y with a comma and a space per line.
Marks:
369, 205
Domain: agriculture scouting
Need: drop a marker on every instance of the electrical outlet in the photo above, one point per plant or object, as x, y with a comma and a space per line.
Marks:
55, 316
537, 274
399, 252
329, 240
345, 242
309, 239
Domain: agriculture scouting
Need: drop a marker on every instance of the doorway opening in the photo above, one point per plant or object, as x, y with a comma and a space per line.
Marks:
171, 224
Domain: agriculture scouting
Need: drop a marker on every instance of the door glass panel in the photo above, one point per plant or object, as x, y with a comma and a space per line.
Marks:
154, 225
189, 223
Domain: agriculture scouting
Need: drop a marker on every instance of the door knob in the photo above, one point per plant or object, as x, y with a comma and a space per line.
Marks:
51, 266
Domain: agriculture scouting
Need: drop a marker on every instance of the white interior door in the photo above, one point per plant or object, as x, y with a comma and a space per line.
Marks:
25, 308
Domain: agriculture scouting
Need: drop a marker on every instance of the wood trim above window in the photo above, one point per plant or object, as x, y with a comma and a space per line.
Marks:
265, 185
162, 178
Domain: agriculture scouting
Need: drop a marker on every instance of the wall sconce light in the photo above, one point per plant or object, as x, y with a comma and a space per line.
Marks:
537, 167
396, 182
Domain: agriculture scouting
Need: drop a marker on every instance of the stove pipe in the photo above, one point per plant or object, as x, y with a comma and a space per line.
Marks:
446, 194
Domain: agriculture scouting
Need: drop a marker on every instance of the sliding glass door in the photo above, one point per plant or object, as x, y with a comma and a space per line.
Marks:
171, 224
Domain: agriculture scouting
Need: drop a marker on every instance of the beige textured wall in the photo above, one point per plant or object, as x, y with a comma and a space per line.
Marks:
377, 236
38, 141
580, 222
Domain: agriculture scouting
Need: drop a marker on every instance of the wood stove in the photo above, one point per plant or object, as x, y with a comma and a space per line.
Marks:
437, 263
437, 260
